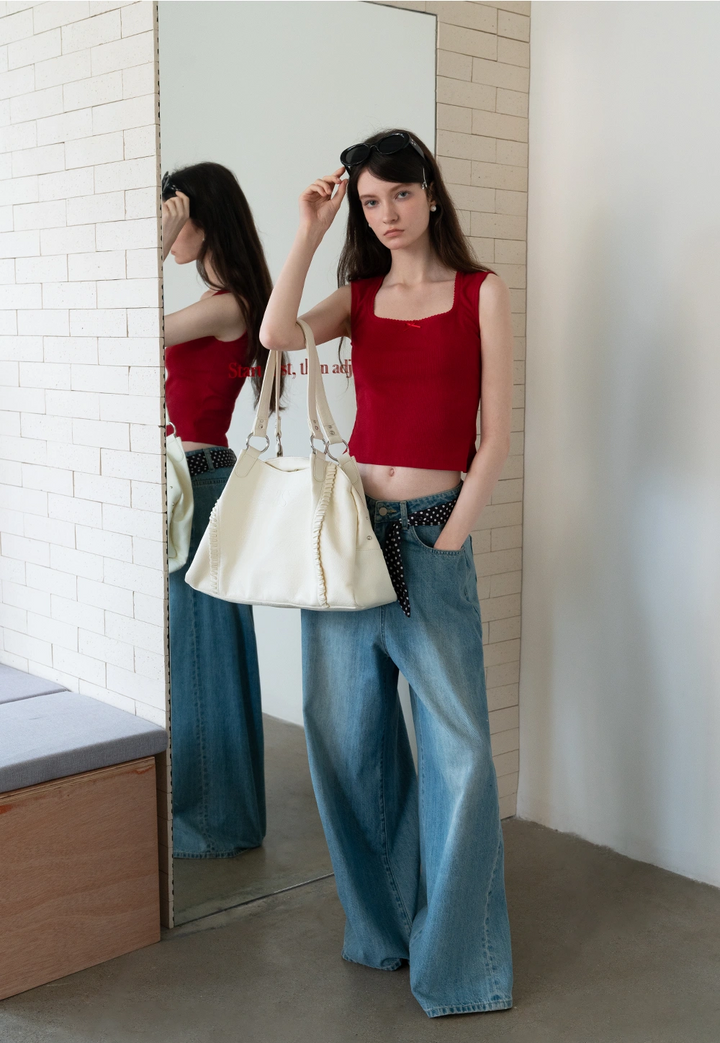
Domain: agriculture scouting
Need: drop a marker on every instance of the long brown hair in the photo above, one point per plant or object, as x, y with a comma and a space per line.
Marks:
218, 206
363, 255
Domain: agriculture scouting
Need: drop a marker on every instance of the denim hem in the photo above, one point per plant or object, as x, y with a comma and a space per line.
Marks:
372, 966
217, 854
467, 1008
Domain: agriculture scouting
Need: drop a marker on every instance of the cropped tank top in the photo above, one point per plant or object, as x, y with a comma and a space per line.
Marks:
417, 383
204, 379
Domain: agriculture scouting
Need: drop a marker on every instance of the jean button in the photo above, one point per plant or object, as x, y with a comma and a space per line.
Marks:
383, 510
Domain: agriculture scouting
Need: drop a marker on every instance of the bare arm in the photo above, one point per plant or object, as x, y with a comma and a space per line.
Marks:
175, 213
330, 318
496, 339
216, 315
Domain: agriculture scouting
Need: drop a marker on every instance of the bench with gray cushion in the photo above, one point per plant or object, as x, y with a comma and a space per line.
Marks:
51, 736
15, 684
79, 874
47, 732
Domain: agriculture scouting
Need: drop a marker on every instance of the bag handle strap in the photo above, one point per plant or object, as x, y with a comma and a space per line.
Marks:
168, 422
262, 413
324, 426
278, 422
317, 403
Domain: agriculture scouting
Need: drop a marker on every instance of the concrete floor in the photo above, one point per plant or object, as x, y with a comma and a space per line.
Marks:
606, 950
293, 852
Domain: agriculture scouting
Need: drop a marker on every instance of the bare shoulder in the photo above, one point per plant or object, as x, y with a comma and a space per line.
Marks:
224, 305
342, 303
330, 318
343, 296
336, 304
221, 300
221, 315
494, 316
493, 293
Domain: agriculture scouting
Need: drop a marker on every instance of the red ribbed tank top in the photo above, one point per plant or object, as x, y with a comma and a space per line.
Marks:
417, 383
204, 379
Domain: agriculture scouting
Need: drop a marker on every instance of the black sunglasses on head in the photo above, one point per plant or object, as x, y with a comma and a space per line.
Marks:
167, 188
387, 146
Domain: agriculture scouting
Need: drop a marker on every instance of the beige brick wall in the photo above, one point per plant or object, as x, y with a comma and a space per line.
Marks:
483, 70
82, 516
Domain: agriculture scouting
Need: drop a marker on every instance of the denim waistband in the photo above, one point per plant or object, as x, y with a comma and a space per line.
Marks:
418, 504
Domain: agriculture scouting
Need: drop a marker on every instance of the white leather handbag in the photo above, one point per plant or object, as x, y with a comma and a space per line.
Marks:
293, 531
179, 500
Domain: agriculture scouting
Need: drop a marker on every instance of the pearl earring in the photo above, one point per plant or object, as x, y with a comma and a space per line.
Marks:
433, 208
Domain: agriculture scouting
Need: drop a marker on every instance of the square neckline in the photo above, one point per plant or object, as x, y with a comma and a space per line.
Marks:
435, 315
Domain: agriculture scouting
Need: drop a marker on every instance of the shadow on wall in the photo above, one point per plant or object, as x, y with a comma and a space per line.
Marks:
635, 577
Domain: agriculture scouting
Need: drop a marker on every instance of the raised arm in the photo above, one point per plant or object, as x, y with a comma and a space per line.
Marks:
214, 315
175, 215
330, 318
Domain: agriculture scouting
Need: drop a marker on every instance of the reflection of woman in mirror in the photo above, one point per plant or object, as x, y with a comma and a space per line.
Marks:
418, 864
217, 737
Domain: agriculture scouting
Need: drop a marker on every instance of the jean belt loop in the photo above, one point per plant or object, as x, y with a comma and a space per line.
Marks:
404, 514
209, 460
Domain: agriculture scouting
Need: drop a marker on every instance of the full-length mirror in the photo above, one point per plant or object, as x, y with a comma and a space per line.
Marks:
257, 100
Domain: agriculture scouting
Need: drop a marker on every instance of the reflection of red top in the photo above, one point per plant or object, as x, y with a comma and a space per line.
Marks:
417, 383
202, 386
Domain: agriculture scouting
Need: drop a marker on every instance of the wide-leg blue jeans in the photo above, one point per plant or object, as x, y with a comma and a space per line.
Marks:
418, 859
216, 718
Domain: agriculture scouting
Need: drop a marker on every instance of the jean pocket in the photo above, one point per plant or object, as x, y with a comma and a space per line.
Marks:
427, 536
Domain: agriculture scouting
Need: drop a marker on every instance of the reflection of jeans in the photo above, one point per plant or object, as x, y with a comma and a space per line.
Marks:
418, 865
216, 722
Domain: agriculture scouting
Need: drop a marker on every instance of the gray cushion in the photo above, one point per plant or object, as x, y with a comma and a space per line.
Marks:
51, 736
16, 684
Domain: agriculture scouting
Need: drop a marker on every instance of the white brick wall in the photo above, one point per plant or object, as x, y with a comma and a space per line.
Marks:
82, 561
482, 90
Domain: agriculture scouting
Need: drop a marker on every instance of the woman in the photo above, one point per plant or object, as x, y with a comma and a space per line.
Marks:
418, 862
217, 736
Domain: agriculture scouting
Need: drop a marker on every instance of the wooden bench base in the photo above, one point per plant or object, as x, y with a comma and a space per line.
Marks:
78, 873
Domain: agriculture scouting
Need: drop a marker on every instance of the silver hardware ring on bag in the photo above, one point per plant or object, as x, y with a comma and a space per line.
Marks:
251, 435
320, 420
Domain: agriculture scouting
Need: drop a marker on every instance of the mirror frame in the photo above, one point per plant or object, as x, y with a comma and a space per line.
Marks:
482, 84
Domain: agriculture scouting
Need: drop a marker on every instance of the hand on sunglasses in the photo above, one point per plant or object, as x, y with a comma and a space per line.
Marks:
175, 213
318, 204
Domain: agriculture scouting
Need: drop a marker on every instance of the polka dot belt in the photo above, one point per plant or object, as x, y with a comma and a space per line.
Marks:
437, 515
200, 460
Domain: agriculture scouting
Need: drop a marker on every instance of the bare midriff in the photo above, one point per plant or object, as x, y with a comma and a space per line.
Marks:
189, 446
387, 482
